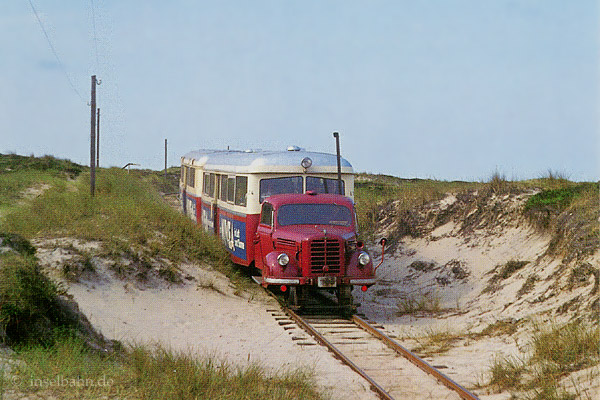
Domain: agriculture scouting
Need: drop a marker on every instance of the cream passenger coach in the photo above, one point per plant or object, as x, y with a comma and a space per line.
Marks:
223, 189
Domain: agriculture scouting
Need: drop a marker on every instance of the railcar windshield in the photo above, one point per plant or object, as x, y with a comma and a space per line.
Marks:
323, 185
314, 214
286, 185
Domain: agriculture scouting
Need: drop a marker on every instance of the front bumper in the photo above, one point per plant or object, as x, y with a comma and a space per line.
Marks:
313, 281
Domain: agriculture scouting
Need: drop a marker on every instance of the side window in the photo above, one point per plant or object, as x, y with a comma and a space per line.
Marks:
206, 184
183, 173
223, 194
217, 185
241, 187
191, 177
272, 186
211, 187
266, 215
230, 189
323, 185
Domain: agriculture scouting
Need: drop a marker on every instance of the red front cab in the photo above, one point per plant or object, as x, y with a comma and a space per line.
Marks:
311, 239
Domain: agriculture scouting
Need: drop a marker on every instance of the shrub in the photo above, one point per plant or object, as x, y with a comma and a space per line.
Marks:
30, 310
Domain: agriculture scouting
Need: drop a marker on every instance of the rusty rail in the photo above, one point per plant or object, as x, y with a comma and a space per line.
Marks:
399, 349
313, 332
416, 360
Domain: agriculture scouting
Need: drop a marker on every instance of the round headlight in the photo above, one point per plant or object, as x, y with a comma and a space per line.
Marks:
363, 258
283, 259
306, 162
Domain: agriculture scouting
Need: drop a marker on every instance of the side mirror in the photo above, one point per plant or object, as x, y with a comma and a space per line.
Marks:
382, 242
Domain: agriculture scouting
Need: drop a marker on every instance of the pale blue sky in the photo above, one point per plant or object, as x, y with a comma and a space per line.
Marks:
451, 89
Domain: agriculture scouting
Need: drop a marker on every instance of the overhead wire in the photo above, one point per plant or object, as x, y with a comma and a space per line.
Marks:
53, 49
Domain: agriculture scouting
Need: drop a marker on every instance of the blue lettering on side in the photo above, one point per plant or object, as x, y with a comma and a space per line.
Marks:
207, 218
233, 234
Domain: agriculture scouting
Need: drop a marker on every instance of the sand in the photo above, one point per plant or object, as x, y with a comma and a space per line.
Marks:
205, 317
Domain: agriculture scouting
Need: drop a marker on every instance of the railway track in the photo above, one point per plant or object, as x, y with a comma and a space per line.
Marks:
392, 371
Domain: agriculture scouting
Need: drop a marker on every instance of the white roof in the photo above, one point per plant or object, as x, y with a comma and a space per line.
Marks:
265, 161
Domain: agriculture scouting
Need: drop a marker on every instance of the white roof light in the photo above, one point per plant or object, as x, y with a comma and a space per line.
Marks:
306, 162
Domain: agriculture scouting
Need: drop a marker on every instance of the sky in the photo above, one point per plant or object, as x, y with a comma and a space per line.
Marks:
447, 89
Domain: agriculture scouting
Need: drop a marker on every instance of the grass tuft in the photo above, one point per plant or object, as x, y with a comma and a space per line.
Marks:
507, 373
69, 370
570, 347
419, 303
437, 341
556, 352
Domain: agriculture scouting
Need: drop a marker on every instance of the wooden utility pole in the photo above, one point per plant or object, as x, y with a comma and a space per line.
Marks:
93, 138
165, 159
98, 140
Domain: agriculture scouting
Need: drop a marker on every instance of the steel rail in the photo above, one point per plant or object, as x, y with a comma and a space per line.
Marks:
399, 349
416, 360
313, 332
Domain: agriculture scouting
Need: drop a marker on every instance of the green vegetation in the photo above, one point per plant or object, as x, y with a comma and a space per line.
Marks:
419, 303
29, 308
18, 173
556, 200
502, 272
436, 342
374, 195
14, 163
507, 373
157, 179
569, 211
439, 340
572, 215
17, 243
126, 214
510, 268
30, 311
33, 310
555, 352
70, 370
129, 218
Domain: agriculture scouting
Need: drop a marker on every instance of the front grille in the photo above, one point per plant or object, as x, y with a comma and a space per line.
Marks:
325, 253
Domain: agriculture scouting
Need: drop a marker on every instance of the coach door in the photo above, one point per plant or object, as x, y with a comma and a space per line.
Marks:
263, 240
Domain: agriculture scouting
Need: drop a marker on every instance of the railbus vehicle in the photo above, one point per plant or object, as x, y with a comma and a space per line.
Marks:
288, 213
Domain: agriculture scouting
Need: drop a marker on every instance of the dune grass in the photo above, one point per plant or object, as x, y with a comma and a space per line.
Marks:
70, 370
555, 352
374, 193
125, 213
18, 173
417, 303
29, 307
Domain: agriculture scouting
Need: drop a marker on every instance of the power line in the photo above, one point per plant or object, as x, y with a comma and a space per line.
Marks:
60, 63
